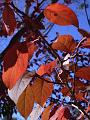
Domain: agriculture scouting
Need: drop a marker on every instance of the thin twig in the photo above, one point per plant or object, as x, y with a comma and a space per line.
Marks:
47, 80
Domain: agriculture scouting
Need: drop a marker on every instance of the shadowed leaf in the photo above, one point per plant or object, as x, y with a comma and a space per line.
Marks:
9, 19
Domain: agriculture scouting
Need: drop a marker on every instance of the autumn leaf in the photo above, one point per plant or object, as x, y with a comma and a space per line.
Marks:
9, 19
15, 64
64, 43
31, 48
62, 113
83, 73
46, 113
48, 68
20, 86
25, 102
84, 33
86, 44
80, 96
42, 90
65, 91
79, 85
60, 14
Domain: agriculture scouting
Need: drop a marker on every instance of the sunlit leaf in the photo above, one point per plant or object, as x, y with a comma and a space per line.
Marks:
20, 86
62, 113
83, 73
46, 113
25, 102
15, 63
60, 14
64, 43
48, 68
42, 90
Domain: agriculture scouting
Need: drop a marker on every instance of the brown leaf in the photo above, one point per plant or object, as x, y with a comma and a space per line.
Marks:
15, 63
60, 14
79, 85
42, 90
86, 44
31, 48
25, 102
65, 91
80, 96
62, 113
83, 73
64, 43
9, 19
48, 68
84, 33
46, 113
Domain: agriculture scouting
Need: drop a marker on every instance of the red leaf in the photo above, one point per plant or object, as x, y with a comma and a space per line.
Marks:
48, 68
86, 44
80, 96
83, 73
84, 33
62, 113
9, 19
60, 14
15, 63
65, 91
64, 43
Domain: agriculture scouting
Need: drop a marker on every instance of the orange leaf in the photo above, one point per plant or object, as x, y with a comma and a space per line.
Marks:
42, 90
64, 43
60, 14
62, 113
86, 44
83, 73
9, 19
20, 86
25, 102
48, 68
15, 63
79, 85
46, 113
65, 91
80, 96
31, 48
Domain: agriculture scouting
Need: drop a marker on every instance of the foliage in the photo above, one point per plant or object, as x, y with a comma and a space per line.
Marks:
60, 76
